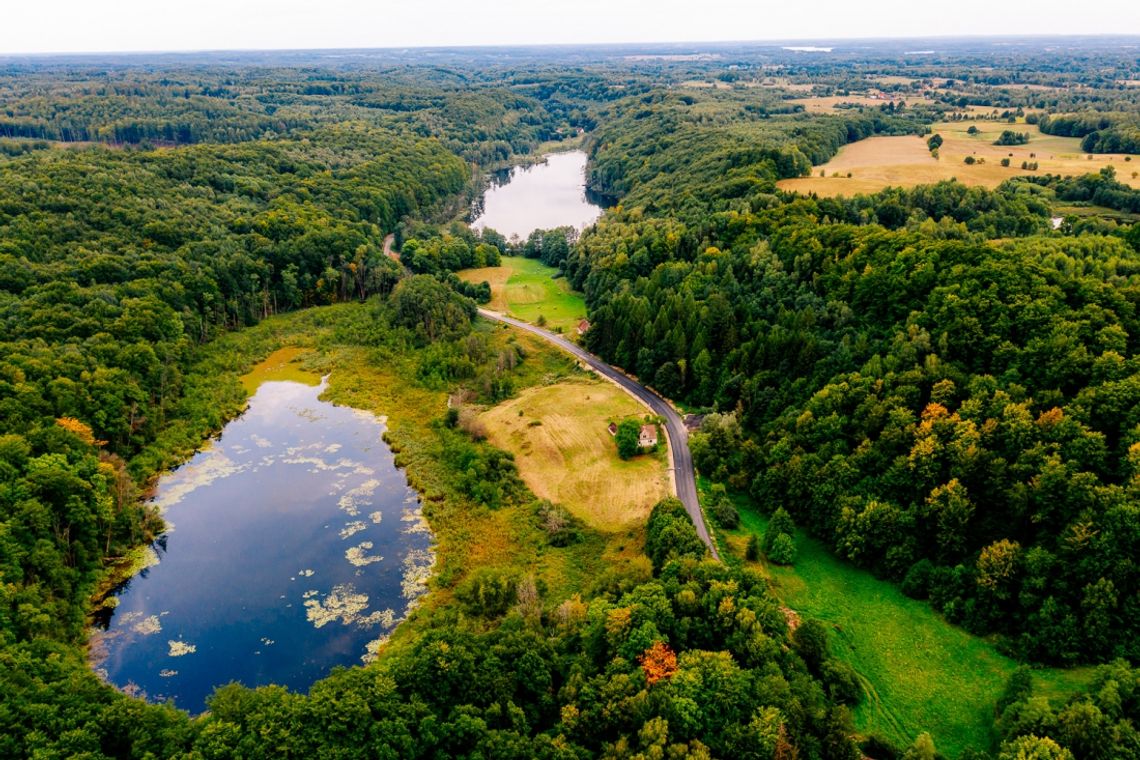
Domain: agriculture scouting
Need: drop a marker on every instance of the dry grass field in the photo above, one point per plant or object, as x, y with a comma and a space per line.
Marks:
880, 162
570, 458
834, 103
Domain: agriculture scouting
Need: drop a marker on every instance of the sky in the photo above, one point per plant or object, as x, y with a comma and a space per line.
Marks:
28, 26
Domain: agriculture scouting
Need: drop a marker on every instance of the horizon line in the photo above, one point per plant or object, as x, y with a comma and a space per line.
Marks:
835, 41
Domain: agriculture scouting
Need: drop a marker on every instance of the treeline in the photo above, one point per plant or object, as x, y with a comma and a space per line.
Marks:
1100, 189
938, 408
475, 114
1102, 132
689, 658
429, 249
1098, 724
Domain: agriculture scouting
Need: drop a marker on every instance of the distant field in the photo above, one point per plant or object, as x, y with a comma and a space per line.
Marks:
833, 103
880, 162
919, 672
571, 459
525, 288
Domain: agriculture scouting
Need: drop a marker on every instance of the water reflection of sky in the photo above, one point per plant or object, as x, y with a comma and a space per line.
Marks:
294, 545
539, 197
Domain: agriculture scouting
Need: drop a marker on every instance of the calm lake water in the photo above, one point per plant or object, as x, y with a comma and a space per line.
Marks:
294, 545
539, 197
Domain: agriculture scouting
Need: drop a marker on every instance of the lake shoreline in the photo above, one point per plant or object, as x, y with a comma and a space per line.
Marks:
547, 193
352, 612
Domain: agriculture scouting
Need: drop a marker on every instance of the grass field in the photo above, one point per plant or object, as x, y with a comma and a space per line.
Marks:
880, 162
568, 455
526, 289
919, 672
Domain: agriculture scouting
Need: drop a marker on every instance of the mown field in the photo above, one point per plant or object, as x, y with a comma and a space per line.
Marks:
565, 453
919, 673
880, 162
526, 289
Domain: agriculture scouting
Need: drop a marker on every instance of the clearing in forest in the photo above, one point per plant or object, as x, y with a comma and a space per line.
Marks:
527, 289
918, 672
565, 453
880, 162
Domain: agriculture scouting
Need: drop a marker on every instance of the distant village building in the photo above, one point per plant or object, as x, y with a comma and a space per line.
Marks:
648, 437
583, 326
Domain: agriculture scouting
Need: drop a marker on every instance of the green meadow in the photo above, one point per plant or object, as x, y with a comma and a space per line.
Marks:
528, 289
918, 672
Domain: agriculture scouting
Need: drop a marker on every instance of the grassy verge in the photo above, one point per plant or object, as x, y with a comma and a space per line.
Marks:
527, 289
918, 672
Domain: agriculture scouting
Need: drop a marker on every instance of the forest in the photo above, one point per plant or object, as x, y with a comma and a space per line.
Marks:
940, 383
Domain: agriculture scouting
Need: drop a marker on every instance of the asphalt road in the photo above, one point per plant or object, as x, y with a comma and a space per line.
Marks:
678, 436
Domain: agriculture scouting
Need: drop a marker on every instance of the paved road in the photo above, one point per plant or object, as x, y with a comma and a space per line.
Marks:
674, 427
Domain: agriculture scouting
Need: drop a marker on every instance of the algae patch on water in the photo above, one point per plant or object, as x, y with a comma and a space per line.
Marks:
282, 364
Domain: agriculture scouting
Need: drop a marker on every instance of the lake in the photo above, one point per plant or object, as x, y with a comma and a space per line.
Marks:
538, 197
294, 545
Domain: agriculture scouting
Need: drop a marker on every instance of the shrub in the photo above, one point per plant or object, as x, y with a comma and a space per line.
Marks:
725, 514
970, 160
560, 526
841, 682
489, 592
810, 642
752, 551
781, 522
783, 551
916, 584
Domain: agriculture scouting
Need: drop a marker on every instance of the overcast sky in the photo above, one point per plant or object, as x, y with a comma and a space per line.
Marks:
36, 26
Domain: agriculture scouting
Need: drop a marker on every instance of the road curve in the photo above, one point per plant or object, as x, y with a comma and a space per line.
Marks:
674, 427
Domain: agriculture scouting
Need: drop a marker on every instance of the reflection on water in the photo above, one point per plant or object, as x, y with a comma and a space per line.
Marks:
540, 197
294, 545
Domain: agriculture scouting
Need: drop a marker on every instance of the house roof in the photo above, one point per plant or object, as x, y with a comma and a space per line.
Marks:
648, 431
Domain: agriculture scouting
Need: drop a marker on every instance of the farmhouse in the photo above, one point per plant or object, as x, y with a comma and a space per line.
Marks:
583, 326
648, 437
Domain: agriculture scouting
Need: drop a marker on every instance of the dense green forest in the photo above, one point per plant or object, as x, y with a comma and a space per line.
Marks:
685, 155
934, 381
935, 403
